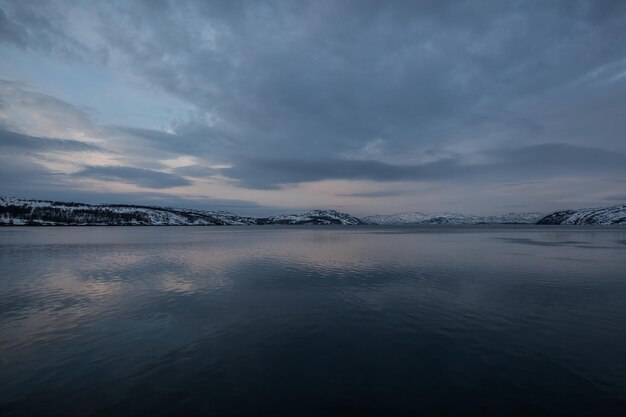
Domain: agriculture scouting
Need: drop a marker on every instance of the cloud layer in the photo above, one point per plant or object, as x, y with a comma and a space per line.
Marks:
373, 106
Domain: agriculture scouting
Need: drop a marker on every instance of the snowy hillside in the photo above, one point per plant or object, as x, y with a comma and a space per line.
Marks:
315, 217
605, 216
37, 212
18, 211
453, 218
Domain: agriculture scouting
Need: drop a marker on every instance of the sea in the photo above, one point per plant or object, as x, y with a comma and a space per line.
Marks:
481, 320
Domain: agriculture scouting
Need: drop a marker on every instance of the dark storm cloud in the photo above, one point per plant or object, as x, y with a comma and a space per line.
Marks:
142, 177
14, 140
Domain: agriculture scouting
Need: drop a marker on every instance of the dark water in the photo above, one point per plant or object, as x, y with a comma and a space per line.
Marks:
271, 321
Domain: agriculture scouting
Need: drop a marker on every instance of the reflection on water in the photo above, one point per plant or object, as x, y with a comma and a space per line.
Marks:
312, 321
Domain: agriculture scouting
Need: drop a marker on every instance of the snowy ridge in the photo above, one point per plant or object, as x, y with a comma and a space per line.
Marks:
316, 217
18, 211
452, 218
615, 215
39, 212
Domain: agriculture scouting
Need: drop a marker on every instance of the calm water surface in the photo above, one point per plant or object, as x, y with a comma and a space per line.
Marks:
296, 321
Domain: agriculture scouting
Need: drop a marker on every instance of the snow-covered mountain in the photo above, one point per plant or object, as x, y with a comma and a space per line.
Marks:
19, 211
37, 212
315, 217
452, 218
606, 216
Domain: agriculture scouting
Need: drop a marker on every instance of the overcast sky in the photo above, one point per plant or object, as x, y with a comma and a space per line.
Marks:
479, 107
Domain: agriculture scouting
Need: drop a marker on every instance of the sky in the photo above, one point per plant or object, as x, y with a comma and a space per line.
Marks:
369, 107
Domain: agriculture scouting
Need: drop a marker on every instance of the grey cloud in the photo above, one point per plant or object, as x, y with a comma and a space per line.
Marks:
616, 197
271, 173
189, 138
328, 77
360, 90
197, 171
42, 25
25, 178
21, 173
374, 194
530, 162
552, 159
43, 108
14, 140
9, 31
142, 177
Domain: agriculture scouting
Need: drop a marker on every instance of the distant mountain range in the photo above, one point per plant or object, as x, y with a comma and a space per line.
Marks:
607, 216
17, 211
453, 218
